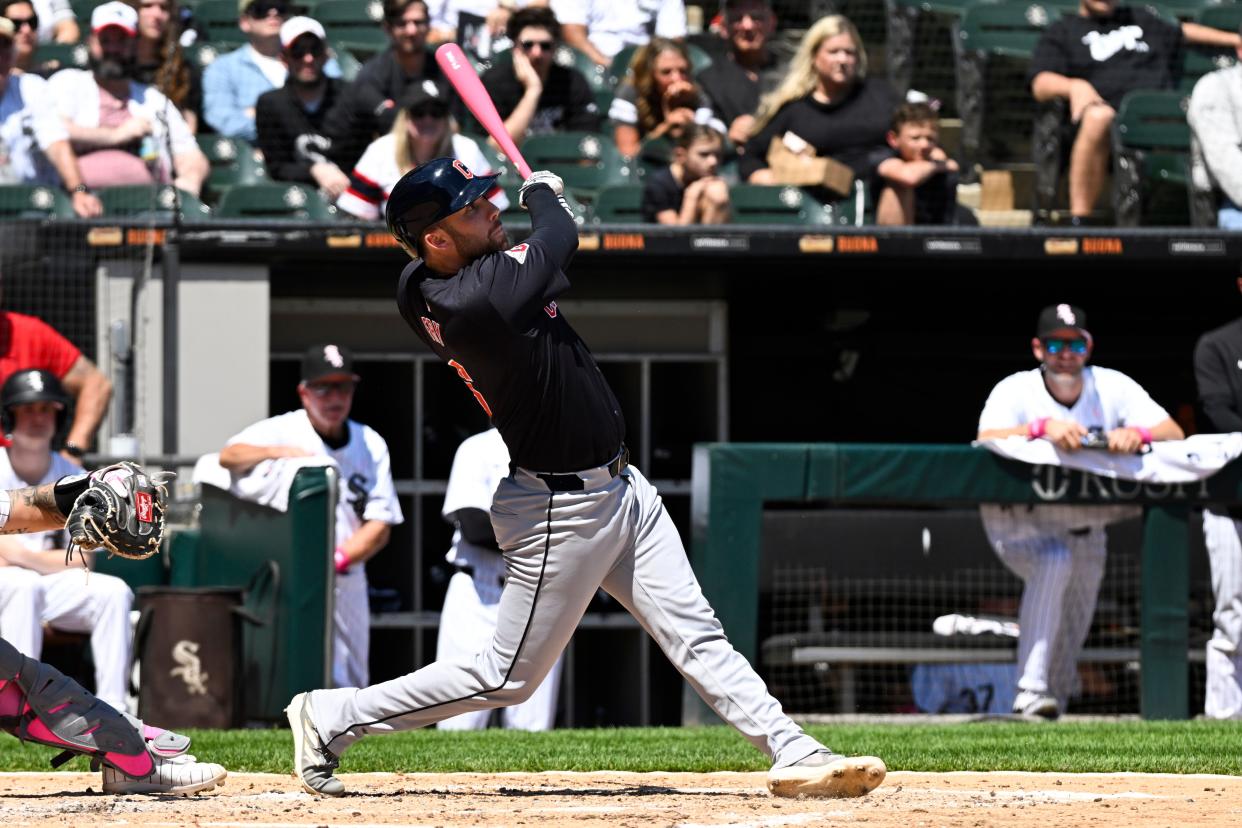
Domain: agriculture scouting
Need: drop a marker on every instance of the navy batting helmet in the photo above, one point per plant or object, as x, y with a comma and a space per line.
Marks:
431, 192
29, 387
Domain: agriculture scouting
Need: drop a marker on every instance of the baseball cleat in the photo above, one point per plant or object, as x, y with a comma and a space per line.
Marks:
825, 774
1030, 703
312, 762
178, 775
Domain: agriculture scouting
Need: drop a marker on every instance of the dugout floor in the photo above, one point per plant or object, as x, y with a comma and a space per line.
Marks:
906, 799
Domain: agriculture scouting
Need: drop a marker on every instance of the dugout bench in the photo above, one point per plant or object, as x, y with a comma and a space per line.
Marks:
732, 482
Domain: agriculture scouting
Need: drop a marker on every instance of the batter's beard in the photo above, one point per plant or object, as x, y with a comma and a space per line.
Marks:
471, 249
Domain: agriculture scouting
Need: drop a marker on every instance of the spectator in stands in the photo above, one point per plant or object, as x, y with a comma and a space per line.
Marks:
1058, 550
534, 94
918, 184
1215, 117
34, 144
658, 98
689, 190
162, 63
366, 507
471, 604
602, 28
290, 119
490, 16
56, 22
369, 107
423, 130
1092, 60
1217, 357
735, 83
828, 101
233, 82
125, 132
25, 38
39, 584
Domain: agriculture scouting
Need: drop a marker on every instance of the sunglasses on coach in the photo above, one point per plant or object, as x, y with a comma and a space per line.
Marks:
1056, 346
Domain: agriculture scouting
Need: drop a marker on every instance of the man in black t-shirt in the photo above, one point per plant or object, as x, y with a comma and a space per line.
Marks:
531, 91
749, 70
572, 515
1093, 59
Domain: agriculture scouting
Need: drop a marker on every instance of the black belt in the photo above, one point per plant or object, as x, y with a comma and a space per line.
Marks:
573, 483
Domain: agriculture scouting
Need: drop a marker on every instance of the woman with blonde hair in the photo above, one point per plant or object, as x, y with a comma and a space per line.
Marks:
658, 97
826, 100
422, 130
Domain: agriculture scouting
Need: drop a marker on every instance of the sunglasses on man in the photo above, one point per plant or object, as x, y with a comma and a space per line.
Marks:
1056, 346
18, 22
531, 45
266, 8
304, 46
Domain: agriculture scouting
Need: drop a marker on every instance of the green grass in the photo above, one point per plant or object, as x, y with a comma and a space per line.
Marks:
1148, 747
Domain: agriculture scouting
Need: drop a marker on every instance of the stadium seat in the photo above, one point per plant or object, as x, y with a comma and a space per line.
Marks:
156, 202
66, 55
219, 19
203, 53
618, 205
1197, 61
932, 20
34, 201
274, 201
1183, 10
1151, 158
515, 215
233, 161
586, 161
354, 25
760, 204
350, 65
994, 47
500, 162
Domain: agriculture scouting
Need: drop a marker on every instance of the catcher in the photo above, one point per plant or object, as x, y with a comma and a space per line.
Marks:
120, 509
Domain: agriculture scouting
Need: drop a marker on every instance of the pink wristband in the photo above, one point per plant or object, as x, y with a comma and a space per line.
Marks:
341, 560
1037, 428
1145, 433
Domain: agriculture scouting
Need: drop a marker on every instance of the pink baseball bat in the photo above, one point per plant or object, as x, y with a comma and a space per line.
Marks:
460, 72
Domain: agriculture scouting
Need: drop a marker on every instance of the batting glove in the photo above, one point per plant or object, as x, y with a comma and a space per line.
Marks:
541, 177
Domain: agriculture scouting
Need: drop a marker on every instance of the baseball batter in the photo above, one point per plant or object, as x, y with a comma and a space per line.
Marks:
366, 507
471, 604
571, 516
1218, 372
1058, 551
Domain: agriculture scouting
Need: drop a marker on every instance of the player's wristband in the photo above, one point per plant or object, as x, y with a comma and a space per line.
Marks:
341, 560
1037, 428
1144, 433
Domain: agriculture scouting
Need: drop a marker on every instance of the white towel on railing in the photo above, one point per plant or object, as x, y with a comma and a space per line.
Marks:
266, 484
1169, 461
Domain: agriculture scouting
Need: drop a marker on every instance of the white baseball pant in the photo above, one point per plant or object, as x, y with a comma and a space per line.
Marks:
351, 629
71, 601
467, 623
1223, 695
1061, 567
559, 548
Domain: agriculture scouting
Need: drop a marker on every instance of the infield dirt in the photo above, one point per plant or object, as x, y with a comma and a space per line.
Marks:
906, 799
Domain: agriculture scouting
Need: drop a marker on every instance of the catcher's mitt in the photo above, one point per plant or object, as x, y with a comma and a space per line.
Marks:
122, 510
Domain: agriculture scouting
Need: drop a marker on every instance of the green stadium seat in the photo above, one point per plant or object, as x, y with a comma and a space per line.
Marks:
516, 216
1151, 159
143, 201
233, 162
66, 55
219, 18
586, 161
34, 201
203, 53
760, 204
354, 25
619, 205
653, 155
349, 63
1197, 61
274, 201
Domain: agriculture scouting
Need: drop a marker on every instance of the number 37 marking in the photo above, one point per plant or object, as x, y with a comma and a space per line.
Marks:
465, 377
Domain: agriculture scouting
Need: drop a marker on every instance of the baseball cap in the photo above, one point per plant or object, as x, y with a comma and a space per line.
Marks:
295, 27
115, 14
327, 361
1057, 317
421, 93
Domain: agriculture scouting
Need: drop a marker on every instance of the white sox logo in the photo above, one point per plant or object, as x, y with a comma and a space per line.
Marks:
433, 330
332, 355
191, 671
550, 310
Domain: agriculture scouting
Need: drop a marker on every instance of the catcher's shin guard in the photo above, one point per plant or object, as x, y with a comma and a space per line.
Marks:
40, 704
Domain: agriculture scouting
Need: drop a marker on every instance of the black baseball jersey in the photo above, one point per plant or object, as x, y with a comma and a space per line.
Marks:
497, 324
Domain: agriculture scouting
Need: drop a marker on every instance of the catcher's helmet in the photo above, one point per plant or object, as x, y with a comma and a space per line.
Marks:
31, 386
431, 192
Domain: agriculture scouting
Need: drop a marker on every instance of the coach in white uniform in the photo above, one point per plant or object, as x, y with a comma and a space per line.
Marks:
366, 506
471, 605
1058, 550
37, 585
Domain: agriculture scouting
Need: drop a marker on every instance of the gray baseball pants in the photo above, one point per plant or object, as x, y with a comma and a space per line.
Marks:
559, 547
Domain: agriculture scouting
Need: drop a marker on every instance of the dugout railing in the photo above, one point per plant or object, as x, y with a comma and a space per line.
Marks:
732, 483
